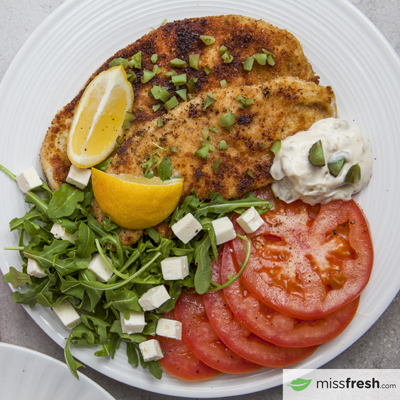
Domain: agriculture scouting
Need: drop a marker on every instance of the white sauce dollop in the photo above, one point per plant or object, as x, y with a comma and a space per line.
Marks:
299, 179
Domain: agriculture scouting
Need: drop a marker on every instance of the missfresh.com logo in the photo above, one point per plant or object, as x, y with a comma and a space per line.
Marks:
341, 384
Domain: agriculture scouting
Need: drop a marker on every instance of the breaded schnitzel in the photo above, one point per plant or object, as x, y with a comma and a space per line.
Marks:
242, 36
281, 108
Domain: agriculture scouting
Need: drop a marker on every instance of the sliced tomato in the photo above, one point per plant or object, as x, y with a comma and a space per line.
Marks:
240, 339
308, 261
274, 326
180, 361
202, 339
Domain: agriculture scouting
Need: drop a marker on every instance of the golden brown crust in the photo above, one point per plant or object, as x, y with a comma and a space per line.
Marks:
281, 108
242, 36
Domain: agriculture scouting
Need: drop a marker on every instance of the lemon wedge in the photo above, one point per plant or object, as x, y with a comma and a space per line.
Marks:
135, 202
98, 120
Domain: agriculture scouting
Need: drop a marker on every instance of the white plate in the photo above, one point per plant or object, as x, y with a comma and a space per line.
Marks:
29, 375
345, 49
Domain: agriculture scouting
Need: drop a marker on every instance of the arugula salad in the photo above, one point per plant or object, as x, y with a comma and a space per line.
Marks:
135, 269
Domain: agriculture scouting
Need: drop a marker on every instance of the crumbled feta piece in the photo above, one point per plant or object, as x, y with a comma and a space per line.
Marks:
59, 233
135, 323
174, 268
29, 179
79, 176
100, 269
224, 230
34, 269
250, 220
68, 315
151, 350
153, 298
169, 328
186, 228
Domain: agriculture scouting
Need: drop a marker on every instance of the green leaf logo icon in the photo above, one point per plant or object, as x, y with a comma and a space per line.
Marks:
300, 384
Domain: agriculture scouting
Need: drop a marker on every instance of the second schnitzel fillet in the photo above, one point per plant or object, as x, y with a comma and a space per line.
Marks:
281, 108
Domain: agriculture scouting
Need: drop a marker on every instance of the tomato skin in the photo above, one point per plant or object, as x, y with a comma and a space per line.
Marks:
312, 271
240, 339
274, 326
180, 361
202, 339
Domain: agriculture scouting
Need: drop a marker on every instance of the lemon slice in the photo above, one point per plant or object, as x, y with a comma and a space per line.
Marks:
98, 120
135, 202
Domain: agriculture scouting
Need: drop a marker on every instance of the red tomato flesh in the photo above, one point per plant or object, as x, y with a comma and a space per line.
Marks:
240, 339
308, 261
202, 339
180, 361
274, 326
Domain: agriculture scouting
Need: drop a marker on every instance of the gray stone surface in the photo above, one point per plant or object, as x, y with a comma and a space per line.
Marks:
378, 348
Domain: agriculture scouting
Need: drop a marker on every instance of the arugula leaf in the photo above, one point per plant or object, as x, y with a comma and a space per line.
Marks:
16, 278
131, 352
72, 364
29, 297
174, 291
105, 352
85, 241
123, 300
103, 165
64, 201
202, 259
164, 169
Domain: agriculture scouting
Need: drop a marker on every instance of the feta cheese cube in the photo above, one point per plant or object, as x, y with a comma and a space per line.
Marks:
100, 269
68, 315
29, 179
151, 350
250, 220
186, 228
79, 176
59, 233
153, 298
224, 230
175, 268
169, 328
135, 323
34, 269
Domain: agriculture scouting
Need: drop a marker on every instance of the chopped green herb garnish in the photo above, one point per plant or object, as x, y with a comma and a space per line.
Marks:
261, 58
179, 80
136, 60
262, 144
222, 145
130, 75
209, 100
177, 63
213, 129
207, 70
182, 94
170, 73
249, 173
227, 57
207, 40
164, 169
194, 61
191, 84
227, 120
118, 61
203, 152
216, 164
248, 64
147, 76
222, 50
245, 102
223, 84
171, 103
190, 96
204, 133
156, 107
276, 146
173, 149
156, 69
164, 21
129, 117
159, 123
270, 57
154, 58
159, 93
